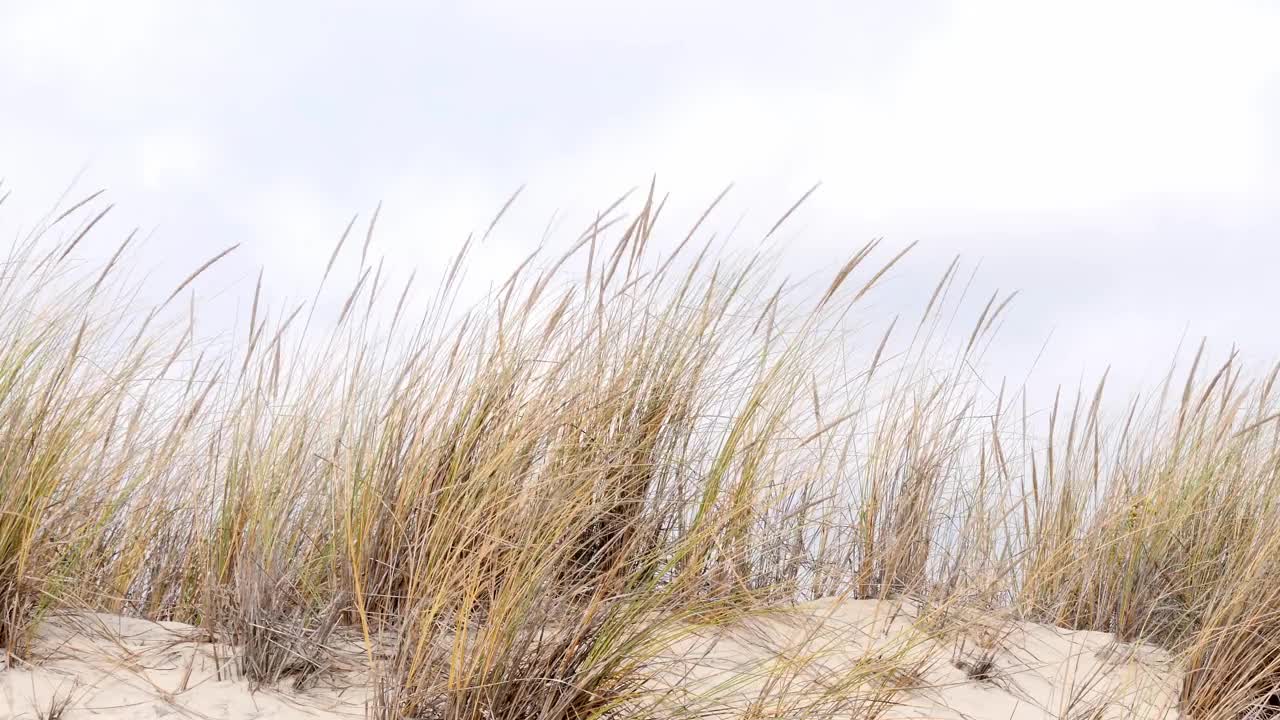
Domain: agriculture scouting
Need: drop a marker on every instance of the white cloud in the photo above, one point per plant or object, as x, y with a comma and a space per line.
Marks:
1014, 104
96, 51
1003, 107
168, 159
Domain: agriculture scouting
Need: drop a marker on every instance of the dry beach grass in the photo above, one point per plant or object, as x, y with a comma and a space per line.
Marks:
626, 484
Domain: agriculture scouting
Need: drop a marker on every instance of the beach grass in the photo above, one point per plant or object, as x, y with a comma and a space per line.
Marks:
519, 505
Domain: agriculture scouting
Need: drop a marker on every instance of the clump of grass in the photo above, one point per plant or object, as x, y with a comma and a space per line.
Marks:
528, 499
58, 418
1233, 661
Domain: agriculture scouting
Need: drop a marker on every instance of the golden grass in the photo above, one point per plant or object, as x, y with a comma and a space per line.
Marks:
520, 504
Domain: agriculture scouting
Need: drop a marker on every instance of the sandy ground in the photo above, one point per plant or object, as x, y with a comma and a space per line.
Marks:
962, 668
112, 668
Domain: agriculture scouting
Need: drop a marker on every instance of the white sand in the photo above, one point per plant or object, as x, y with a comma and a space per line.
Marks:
114, 668
1036, 671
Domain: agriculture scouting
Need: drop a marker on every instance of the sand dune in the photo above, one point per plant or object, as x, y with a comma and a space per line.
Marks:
112, 667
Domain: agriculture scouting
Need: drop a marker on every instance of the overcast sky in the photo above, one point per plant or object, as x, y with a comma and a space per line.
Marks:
1119, 162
